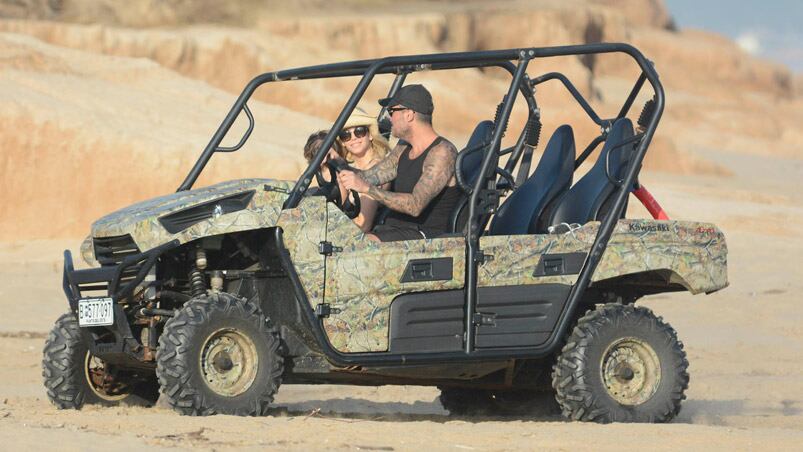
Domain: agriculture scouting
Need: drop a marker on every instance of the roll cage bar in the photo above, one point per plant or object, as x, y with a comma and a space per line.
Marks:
514, 61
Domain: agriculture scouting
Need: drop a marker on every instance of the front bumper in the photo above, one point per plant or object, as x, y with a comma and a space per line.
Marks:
113, 343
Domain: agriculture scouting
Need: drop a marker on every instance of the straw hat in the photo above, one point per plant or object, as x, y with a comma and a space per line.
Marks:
360, 117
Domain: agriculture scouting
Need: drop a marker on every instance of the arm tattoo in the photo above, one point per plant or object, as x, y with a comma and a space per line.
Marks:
438, 170
385, 170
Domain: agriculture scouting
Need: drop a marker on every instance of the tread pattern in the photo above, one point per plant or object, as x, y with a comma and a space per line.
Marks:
580, 399
62, 366
174, 363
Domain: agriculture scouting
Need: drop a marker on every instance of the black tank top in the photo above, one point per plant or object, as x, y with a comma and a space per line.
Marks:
434, 220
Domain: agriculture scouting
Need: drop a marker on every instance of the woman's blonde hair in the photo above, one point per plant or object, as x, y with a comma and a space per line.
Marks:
379, 145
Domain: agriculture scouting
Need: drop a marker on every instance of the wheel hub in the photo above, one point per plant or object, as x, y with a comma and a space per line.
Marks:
102, 380
631, 371
229, 362
223, 362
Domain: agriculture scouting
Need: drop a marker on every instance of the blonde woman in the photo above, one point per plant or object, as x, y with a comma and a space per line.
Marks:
363, 147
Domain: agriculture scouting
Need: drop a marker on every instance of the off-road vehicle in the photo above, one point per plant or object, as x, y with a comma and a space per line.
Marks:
218, 295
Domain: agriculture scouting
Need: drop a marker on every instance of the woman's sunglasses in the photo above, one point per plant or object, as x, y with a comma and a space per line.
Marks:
359, 132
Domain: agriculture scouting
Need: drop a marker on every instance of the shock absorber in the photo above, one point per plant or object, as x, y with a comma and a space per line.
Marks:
197, 280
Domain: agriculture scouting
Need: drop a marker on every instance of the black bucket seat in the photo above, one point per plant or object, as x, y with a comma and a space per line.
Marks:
468, 166
592, 196
522, 210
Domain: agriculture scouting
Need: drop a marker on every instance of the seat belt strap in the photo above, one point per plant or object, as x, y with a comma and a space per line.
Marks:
524, 167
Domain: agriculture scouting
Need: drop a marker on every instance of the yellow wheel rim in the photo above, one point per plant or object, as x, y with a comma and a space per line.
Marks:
631, 371
229, 362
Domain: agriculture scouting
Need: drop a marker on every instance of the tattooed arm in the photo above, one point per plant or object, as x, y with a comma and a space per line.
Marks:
384, 171
437, 173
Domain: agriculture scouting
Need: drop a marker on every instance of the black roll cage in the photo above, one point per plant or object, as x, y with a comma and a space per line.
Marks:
515, 61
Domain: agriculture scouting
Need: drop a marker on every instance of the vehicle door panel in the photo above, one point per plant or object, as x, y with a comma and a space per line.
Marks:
363, 278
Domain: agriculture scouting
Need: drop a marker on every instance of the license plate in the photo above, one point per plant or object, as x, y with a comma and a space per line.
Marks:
95, 312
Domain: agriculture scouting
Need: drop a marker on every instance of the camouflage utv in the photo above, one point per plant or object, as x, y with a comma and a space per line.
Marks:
218, 295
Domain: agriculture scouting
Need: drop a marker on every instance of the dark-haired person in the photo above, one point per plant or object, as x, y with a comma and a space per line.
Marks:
421, 168
314, 143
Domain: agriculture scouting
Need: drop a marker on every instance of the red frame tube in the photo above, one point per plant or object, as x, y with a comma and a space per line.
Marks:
650, 203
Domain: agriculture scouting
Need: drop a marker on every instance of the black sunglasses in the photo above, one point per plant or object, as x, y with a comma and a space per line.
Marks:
359, 132
392, 110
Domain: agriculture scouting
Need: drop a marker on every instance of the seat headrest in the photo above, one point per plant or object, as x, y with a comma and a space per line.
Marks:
469, 159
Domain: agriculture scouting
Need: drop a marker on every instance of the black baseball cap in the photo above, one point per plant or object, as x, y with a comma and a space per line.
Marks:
414, 97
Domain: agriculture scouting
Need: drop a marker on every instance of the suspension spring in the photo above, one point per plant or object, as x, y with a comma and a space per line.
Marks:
197, 282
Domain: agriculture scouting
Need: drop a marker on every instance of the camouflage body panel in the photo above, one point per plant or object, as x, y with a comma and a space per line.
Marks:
515, 258
303, 229
363, 279
141, 220
695, 252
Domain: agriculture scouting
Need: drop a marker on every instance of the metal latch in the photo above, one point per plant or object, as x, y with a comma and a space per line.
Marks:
326, 248
553, 266
421, 271
276, 189
482, 258
325, 310
482, 319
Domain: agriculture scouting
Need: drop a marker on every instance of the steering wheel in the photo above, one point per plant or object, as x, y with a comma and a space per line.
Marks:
332, 190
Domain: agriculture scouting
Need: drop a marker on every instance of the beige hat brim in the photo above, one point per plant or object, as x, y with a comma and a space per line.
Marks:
360, 117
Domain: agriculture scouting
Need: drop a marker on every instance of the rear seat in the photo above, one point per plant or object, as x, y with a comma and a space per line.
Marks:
591, 197
522, 211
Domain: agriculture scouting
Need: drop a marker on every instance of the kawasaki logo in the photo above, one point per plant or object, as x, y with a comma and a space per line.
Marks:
638, 227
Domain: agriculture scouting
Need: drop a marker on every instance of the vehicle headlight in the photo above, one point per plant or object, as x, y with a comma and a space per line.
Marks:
88, 252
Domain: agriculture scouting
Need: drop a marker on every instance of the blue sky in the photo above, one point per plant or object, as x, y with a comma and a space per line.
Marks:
771, 29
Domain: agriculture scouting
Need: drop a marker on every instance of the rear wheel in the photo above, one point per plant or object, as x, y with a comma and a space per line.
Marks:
74, 377
219, 354
621, 364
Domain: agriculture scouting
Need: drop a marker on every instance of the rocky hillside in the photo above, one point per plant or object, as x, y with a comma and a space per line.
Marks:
105, 103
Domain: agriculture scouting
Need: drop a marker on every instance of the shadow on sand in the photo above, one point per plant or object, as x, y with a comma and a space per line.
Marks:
542, 409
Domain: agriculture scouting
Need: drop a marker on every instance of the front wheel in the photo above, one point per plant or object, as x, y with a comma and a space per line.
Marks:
219, 354
74, 376
621, 364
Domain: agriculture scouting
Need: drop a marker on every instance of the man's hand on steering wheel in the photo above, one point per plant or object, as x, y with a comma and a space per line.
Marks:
352, 181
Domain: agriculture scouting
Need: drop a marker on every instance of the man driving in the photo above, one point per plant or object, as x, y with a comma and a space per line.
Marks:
421, 167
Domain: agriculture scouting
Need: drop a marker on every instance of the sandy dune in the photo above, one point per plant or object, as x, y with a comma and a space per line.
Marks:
106, 103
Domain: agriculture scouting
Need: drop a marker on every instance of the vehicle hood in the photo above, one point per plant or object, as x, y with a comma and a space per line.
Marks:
260, 201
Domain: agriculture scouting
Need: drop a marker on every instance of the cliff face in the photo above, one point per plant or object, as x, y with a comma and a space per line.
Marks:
117, 111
